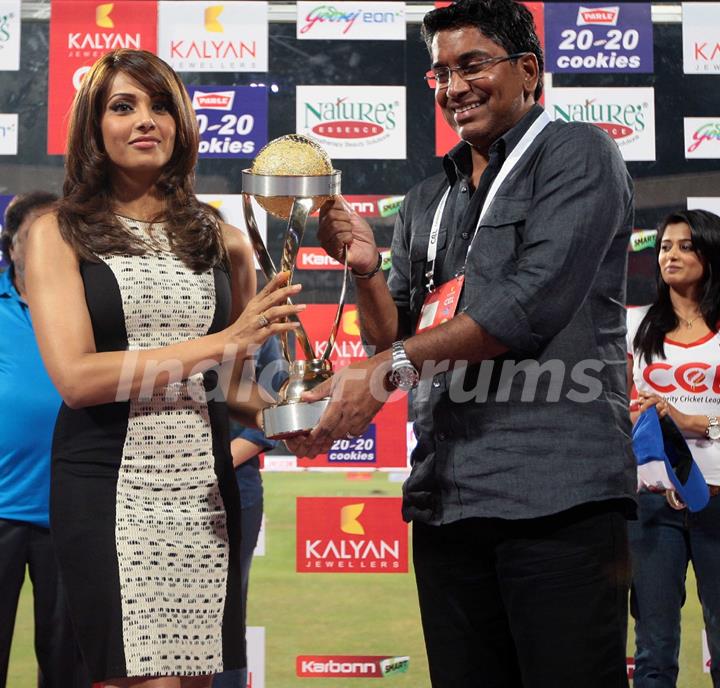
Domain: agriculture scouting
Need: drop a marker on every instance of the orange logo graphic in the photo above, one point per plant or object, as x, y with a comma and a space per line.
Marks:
351, 322
102, 16
212, 23
349, 522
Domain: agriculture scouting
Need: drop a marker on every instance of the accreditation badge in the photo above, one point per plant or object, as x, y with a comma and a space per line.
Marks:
440, 304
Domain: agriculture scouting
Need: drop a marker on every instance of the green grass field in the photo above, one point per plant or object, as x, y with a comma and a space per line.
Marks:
363, 614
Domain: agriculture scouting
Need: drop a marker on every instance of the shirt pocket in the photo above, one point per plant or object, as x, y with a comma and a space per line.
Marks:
495, 249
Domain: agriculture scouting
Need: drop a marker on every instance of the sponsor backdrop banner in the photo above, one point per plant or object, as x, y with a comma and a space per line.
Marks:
351, 535
382, 445
8, 134
350, 666
354, 122
4, 202
10, 35
351, 21
231, 208
711, 203
597, 37
255, 639
232, 120
627, 114
702, 137
80, 32
701, 37
445, 136
211, 37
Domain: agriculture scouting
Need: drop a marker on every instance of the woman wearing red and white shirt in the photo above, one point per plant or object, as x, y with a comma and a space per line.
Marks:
674, 364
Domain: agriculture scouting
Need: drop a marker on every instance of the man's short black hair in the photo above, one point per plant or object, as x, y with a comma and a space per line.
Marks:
505, 22
20, 207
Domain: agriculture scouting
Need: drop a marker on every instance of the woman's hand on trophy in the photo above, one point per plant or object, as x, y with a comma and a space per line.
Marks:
266, 314
341, 226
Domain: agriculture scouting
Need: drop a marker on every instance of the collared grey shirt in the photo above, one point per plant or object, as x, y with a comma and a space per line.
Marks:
544, 427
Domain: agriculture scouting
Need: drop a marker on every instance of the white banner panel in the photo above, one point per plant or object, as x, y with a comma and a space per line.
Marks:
208, 37
8, 134
231, 208
255, 637
701, 37
9, 35
711, 203
702, 137
354, 122
259, 550
627, 114
357, 21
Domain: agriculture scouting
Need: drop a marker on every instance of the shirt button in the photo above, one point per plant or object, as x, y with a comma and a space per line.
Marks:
441, 436
463, 189
465, 235
436, 383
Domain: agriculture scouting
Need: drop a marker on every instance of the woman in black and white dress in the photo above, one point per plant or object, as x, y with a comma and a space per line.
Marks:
138, 293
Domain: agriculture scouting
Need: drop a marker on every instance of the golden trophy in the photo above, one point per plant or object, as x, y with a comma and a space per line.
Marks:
290, 178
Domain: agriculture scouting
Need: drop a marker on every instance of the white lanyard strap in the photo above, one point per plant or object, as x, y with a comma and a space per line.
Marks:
530, 135
432, 242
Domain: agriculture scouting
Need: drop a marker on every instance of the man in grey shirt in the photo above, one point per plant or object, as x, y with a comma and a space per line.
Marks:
523, 473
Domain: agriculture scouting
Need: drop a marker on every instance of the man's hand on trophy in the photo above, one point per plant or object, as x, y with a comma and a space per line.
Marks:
341, 226
357, 393
265, 314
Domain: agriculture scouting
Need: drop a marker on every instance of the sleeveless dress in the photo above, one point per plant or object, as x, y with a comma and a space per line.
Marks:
144, 508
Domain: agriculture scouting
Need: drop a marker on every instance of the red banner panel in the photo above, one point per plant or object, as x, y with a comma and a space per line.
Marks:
384, 443
351, 535
81, 31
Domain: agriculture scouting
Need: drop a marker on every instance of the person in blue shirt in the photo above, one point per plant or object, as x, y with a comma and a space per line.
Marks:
247, 443
28, 408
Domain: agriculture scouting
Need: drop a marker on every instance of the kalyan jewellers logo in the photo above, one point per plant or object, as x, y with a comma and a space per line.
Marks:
345, 119
212, 22
363, 537
706, 133
102, 41
620, 121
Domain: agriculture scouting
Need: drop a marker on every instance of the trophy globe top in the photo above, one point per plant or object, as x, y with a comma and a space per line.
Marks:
293, 155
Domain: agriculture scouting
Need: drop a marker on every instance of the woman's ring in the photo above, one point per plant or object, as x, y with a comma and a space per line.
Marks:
350, 436
264, 322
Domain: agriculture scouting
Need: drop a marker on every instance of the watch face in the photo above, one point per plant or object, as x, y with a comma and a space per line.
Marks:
404, 378
714, 432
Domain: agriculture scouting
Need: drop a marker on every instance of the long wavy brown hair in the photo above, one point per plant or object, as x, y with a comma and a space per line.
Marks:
85, 213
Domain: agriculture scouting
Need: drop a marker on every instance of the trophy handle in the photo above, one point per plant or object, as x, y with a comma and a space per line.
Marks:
268, 266
341, 306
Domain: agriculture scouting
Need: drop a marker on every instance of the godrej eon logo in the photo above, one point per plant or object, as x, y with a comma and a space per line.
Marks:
347, 119
346, 535
598, 16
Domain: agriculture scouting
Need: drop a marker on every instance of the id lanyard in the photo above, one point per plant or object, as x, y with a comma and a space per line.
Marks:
530, 135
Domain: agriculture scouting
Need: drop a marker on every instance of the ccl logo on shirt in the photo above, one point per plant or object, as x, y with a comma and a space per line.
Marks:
351, 535
690, 377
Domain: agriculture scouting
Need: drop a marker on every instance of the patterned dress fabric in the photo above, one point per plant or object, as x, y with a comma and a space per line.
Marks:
144, 507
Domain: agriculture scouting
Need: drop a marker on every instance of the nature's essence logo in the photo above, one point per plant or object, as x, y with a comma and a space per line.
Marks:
618, 120
346, 119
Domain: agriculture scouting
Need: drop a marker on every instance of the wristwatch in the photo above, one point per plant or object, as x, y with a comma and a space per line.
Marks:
403, 374
712, 431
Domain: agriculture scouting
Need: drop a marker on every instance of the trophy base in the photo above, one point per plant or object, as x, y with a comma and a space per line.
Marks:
288, 420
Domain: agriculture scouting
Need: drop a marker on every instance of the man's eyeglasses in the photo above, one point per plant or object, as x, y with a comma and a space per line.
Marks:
439, 78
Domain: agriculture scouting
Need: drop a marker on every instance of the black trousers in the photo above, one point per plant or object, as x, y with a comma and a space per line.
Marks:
538, 603
23, 545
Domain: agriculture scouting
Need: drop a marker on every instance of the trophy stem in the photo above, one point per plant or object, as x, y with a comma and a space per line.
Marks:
340, 308
268, 268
